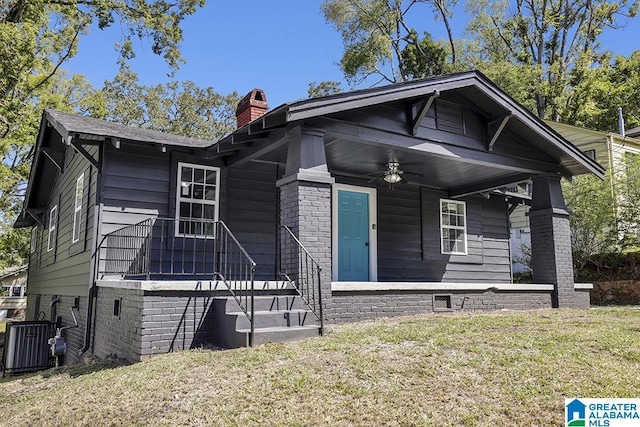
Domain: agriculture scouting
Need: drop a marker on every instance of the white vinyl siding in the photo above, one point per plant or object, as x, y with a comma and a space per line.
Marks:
197, 195
53, 224
453, 227
77, 210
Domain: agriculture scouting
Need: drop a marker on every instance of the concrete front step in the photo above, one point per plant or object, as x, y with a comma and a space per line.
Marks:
269, 302
279, 334
278, 317
272, 318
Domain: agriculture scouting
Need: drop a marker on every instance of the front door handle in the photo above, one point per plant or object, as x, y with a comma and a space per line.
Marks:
366, 243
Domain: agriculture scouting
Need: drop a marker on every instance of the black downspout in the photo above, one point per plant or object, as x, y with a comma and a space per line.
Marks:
95, 255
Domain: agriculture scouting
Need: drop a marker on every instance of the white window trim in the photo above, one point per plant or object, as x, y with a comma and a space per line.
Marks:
34, 239
53, 224
77, 210
455, 227
373, 228
179, 198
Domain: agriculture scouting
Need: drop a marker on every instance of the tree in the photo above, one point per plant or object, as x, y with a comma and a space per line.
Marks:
600, 91
424, 58
538, 51
593, 217
180, 108
62, 93
323, 88
375, 34
550, 39
36, 38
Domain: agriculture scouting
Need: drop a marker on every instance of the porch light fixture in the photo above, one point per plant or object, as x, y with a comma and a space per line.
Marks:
393, 174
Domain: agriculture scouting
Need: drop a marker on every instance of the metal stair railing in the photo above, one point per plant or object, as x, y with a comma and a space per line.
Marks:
236, 269
125, 252
182, 248
302, 271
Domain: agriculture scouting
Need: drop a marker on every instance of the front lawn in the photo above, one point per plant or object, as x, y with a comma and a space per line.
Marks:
503, 368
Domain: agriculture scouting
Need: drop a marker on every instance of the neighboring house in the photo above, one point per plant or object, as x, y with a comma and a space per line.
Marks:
606, 148
394, 196
14, 300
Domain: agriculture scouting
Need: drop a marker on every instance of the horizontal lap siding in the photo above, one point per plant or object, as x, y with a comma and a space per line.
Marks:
399, 235
495, 229
451, 120
409, 239
251, 210
136, 187
140, 185
65, 270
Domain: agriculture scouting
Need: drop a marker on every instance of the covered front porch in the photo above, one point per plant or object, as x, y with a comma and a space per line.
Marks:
457, 146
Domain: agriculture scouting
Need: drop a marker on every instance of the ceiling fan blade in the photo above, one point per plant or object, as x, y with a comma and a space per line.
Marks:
375, 178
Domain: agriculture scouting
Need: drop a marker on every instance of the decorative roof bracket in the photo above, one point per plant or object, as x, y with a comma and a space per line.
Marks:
422, 112
503, 122
56, 157
37, 214
75, 141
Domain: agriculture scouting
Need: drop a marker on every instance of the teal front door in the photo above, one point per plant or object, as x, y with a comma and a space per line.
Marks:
353, 236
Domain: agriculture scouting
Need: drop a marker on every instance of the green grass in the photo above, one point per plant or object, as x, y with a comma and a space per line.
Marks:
505, 368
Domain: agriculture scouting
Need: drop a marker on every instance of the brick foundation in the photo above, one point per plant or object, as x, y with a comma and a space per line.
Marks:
151, 322
353, 307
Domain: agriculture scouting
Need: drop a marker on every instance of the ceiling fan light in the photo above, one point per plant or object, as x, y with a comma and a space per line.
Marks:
392, 178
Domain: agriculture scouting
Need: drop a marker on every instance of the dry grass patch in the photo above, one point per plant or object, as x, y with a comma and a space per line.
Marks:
483, 369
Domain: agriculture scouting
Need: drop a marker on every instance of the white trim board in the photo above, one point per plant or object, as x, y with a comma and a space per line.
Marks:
435, 286
185, 285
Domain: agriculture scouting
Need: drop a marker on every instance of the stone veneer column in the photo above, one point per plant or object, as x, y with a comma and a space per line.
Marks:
305, 199
551, 241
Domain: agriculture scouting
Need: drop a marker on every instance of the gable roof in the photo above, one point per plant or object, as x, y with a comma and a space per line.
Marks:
89, 128
479, 89
473, 86
634, 132
68, 126
580, 136
13, 271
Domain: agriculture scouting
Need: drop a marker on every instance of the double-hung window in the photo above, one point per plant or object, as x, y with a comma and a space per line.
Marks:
198, 190
453, 227
77, 210
53, 224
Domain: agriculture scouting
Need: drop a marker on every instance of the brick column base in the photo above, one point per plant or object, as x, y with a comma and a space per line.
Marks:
551, 255
305, 207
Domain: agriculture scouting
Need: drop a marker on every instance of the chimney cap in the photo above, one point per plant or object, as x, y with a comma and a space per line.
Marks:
255, 98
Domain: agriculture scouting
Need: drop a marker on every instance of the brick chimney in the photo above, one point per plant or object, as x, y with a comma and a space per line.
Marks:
252, 106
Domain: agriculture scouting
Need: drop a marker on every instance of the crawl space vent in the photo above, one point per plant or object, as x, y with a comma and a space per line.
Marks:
442, 302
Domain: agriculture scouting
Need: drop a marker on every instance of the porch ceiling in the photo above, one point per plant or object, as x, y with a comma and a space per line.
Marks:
353, 158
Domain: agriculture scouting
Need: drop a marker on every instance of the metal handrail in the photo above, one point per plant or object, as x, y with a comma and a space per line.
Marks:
302, 271
182, 247
239, 271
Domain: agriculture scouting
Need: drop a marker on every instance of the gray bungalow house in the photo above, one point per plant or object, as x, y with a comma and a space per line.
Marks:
366, 204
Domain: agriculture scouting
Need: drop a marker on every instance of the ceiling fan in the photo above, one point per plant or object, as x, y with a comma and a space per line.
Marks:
392, 175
